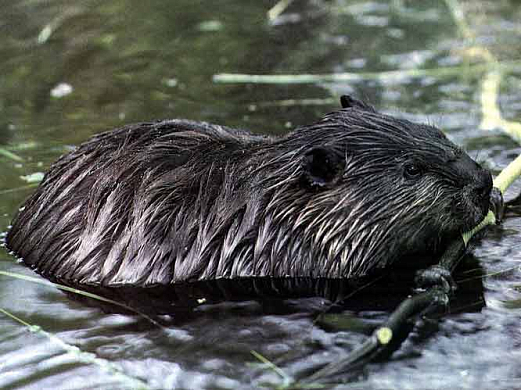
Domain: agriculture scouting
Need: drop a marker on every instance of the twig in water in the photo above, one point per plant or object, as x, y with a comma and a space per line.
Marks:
79, 292
84, 357
278, 9
350, 77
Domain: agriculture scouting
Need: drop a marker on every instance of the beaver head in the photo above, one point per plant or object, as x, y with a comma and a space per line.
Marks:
373, 189
178, 201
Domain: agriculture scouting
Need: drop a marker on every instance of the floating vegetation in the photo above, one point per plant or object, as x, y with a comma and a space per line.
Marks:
35, 177
10, 155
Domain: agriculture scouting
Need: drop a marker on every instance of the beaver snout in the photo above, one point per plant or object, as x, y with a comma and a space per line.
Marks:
483, 186
475, 199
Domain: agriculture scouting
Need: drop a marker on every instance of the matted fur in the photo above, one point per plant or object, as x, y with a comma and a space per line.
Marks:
177, 201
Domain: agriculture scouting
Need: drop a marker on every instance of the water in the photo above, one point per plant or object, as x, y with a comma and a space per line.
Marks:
71, 69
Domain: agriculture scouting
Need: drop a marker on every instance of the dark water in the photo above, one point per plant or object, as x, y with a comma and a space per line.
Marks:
71, 69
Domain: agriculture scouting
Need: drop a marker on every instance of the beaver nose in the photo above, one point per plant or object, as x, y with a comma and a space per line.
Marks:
483, 185
476, 179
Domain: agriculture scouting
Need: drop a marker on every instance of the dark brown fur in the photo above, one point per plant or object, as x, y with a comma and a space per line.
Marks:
180, 201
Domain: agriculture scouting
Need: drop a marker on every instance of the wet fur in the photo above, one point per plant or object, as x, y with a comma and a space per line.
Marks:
180, 201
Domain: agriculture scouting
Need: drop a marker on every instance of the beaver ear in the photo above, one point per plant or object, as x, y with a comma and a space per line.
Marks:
322, 166
350, 102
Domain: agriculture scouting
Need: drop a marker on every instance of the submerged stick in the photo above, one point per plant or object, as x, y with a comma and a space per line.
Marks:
387, 338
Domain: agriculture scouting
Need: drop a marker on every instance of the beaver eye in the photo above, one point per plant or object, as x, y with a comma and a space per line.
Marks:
412, 171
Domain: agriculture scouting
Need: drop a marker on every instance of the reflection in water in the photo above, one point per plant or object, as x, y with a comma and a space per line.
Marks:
280, 295
71, 69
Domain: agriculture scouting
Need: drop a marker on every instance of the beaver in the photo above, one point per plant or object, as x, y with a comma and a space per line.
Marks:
179, 201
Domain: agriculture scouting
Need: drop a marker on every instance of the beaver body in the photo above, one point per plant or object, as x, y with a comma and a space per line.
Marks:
179, 201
